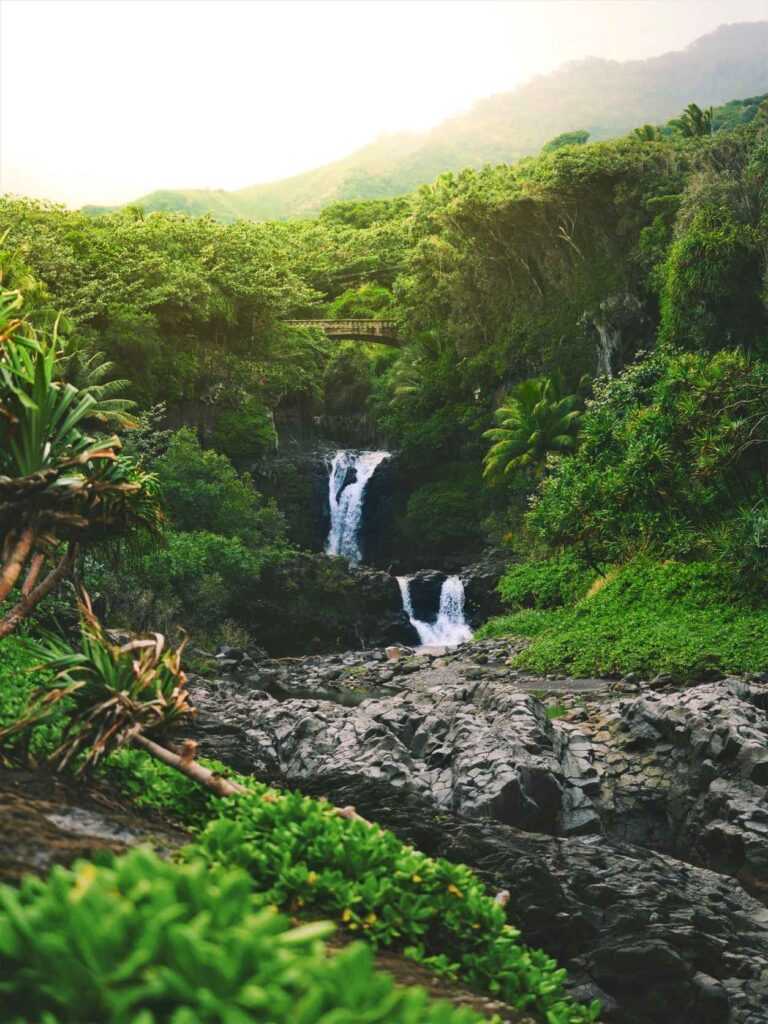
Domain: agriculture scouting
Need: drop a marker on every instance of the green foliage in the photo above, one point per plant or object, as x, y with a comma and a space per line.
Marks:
150, 783
203, 492
368, 301
444, 515
244, 433
199, 580
712, 285
187, 309
671, 452
61, 487
142, 941
93, 374
534, 420
112, 692
303, 855
682, 618
549, 583
205, 573
575, 138
347, 381
694, 122
19, 678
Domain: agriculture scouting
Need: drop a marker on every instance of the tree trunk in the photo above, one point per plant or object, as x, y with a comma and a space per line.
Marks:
30, 600
15, 562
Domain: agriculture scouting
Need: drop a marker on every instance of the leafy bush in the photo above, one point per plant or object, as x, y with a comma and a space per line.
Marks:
203, 491
347, 380
244, 433
142, 941
205, 574
304, 856
650, 617
672, 450
443, 515
17, 683
545, 584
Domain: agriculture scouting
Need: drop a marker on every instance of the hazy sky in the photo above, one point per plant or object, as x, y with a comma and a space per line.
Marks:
104, 100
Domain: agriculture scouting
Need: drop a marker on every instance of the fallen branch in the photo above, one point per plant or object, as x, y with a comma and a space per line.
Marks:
189, 767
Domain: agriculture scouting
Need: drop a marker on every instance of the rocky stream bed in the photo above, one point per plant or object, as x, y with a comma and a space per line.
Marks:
627, 819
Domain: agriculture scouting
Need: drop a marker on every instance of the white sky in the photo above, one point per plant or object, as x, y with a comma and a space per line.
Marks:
102, 101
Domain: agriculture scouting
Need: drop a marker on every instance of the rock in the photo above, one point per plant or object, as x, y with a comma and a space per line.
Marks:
481, 597
393, 653
316, 603
603, 823
660, 941
425, 588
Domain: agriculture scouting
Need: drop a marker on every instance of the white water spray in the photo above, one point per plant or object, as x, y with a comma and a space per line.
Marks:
451, 627
346, 501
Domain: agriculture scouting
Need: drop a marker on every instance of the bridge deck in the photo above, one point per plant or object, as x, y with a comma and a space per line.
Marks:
382, 332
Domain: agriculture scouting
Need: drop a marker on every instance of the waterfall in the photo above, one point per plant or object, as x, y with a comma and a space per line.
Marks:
349, 473
608, 344
450, 628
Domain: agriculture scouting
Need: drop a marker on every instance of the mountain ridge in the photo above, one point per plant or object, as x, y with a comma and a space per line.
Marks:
605, 97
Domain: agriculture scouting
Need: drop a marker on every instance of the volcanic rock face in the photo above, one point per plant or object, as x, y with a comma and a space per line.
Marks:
602, 822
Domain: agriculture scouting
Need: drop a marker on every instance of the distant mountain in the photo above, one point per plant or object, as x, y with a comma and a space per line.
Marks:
606, 98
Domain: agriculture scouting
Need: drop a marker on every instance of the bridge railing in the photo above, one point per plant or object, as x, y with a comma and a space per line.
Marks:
358, 326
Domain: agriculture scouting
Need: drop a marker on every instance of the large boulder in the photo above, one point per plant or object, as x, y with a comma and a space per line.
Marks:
313, 603
481, 580
425, 588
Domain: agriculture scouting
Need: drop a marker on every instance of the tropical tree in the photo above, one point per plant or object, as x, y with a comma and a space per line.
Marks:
60, 487
93, 374
534, 420
648, 133
694, 122
116, 695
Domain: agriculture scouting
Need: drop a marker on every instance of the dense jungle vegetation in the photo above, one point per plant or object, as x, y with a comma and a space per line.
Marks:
607, 300
582, 386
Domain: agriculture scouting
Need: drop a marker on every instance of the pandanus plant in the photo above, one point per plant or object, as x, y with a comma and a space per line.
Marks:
117, 695
534, 420
60, 487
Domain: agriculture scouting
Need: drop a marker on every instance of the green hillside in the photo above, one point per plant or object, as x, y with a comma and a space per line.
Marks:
606, 98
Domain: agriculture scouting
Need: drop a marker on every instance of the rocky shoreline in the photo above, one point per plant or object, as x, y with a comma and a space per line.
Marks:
627, 818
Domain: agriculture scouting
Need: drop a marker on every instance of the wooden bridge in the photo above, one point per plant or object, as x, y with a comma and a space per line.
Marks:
380, 332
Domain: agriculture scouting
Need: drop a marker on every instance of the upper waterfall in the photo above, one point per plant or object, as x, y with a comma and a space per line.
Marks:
350, 471
450, 627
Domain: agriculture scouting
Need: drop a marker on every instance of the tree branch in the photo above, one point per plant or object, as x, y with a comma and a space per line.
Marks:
34, 571
15, 562
211, 780
29, 601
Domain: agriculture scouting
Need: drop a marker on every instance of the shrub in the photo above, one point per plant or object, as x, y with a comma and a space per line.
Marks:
17, 683
304, 856
246, 432
142, 941
204, 492
650, 617
444, 514
545, 584
672, 449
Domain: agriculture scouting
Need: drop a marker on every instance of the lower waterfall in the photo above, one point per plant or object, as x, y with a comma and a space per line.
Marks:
350, 471
450, 628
